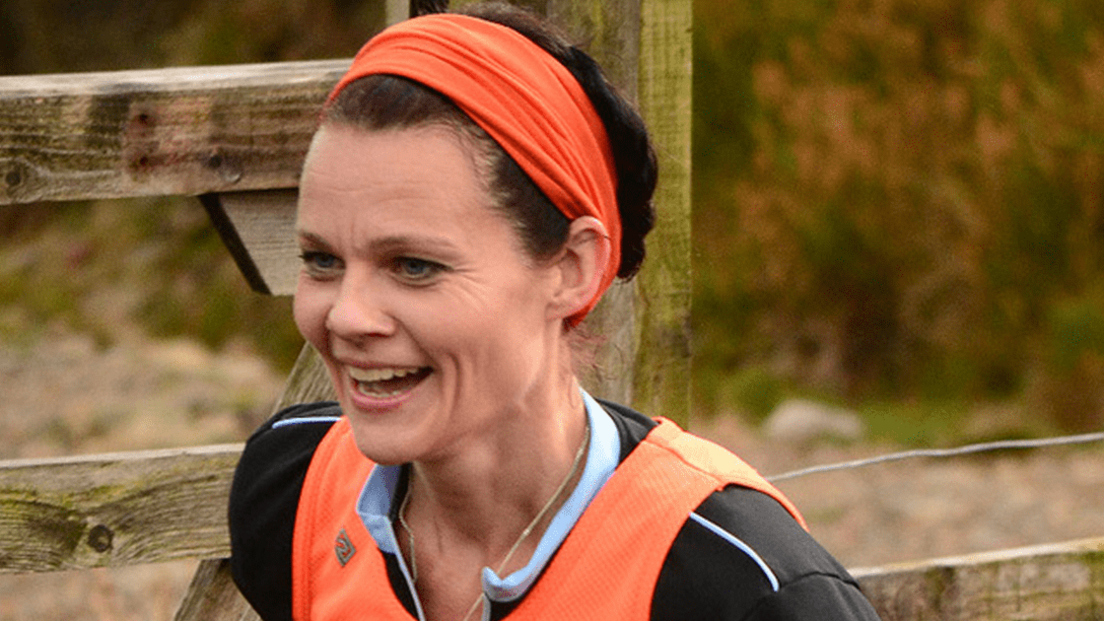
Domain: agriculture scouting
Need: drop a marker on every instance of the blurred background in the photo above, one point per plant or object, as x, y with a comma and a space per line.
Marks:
900, 204
898, 213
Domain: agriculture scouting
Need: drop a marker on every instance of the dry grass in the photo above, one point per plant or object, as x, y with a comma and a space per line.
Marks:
904, 198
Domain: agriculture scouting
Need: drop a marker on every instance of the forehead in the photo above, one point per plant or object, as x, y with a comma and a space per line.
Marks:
349, 163
344, 155
361, 183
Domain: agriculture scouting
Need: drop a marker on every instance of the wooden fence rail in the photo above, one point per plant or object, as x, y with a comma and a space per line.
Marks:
128, 508
113, 510
178, 131
1060, 582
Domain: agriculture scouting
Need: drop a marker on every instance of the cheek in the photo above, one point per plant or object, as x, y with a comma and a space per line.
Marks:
310, 308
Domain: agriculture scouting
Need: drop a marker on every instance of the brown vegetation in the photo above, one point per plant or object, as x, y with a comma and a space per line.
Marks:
901, 198
894, 200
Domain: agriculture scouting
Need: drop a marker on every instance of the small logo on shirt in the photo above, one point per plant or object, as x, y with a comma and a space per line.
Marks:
343, 547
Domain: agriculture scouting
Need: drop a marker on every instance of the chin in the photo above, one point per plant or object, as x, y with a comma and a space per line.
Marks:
382, 452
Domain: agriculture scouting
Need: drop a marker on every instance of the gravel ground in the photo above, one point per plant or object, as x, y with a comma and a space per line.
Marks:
63, 395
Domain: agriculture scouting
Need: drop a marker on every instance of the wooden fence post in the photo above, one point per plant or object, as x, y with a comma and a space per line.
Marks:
664, 355
645, 48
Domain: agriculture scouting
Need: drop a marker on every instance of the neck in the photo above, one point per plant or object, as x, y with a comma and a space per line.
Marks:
491, 489
489, 504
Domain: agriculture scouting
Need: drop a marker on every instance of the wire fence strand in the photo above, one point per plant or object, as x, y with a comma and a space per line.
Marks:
969, 449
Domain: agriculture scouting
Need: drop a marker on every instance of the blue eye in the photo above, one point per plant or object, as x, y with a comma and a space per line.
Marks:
417, 269
319, 262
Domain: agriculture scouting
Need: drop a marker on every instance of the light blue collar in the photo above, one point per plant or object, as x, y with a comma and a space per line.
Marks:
603, 455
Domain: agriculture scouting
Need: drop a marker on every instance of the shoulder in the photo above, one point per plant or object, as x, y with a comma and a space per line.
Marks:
264, 497
741, 555
279, 451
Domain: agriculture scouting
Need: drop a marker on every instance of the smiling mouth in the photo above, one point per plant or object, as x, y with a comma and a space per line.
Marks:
388, 382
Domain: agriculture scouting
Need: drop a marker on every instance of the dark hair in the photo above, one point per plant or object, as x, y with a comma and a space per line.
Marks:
380, 102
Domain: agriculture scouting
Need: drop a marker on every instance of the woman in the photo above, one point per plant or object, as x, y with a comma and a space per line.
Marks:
474, 188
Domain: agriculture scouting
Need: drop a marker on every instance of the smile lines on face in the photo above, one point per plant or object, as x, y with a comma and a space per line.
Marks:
387, 381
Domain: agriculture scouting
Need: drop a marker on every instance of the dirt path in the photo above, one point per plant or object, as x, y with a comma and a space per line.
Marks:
63, 395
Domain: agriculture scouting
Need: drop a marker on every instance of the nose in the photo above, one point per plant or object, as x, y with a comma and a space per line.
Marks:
359, 311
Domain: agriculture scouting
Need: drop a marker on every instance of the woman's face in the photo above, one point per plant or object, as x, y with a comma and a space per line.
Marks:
433, 324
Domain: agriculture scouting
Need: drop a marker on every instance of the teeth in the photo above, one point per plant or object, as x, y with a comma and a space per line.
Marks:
381, 374
362, 389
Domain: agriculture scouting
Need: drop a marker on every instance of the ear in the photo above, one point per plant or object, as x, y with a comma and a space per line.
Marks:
580, 266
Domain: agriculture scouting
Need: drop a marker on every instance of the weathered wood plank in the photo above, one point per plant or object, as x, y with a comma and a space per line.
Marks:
128, 508
112, 510
212, 595
258, 228
1045, 583
398, 10
189, 130
663, 357
645, 48
308, 380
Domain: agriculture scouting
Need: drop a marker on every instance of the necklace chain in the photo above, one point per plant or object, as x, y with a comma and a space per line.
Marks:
524, 534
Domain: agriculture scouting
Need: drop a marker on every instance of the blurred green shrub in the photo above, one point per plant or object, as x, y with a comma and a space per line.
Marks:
111, 266
51, 36
755, 391
1071, 388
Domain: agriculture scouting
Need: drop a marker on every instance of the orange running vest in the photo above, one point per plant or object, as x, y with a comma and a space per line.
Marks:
606, 568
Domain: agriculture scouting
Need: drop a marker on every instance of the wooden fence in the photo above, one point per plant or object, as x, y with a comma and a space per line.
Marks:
235, 137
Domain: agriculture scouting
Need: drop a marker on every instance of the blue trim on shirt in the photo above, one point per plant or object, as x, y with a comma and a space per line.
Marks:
743, 547
304, 420
374, 507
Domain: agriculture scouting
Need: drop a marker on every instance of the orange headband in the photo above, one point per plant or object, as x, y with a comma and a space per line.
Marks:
520, 95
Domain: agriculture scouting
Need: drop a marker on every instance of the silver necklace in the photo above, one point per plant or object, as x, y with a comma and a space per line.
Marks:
524, 534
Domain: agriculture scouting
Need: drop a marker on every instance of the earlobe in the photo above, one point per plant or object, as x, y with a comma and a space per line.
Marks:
581, 264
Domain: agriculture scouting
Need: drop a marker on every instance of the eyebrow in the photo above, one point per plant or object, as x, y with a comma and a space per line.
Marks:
311, 238
387, 244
